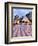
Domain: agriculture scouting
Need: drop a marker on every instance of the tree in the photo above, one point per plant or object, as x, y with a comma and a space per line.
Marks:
29, 16
16, 17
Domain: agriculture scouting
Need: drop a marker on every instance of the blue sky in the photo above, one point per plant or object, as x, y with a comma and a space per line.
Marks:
21, 12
